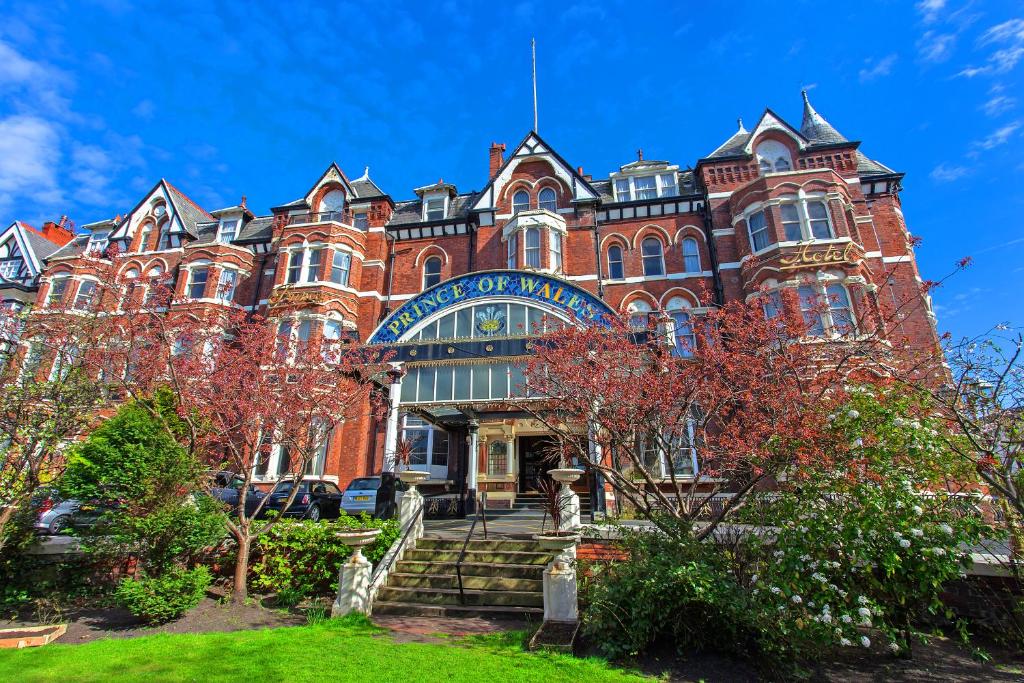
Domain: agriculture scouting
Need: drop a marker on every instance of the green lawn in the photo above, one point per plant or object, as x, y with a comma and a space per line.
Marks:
333, 651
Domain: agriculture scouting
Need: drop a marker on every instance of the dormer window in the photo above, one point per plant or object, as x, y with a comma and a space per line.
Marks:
642, 187
434, 208
228, 230
98, 241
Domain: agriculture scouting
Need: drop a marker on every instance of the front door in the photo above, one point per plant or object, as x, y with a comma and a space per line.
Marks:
534, 461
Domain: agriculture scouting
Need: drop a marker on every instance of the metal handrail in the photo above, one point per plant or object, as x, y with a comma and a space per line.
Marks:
480, 514
382, 566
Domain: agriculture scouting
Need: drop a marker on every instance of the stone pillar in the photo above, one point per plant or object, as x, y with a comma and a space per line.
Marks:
510, 442
353, 586
569, 502
410, 512
391, 428
560, 594
473, 466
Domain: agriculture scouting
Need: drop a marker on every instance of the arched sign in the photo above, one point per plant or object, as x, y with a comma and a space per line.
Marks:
550, 291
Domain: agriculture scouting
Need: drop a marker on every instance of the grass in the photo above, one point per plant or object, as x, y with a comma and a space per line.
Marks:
348, 649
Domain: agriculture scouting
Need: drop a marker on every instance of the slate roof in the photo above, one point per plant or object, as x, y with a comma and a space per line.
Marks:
189, 212
866, 166
41, 246
606, 192
815, 128
366, 188
75, 247
259, 229
734, 145
409, 212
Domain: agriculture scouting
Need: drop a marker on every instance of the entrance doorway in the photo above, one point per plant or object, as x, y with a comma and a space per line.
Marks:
534, 461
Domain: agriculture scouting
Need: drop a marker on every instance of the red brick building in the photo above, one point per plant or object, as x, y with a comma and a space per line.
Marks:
454, 281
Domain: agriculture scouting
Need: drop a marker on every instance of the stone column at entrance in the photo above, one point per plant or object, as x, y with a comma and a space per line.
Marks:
391, 429
510, 442
473, 466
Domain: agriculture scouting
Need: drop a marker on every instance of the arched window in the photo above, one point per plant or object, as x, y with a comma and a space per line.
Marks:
615, 271
686, 341
532, 247
332, 205
547, 199
165, 236
144, 234
520, 201
651, 251
431, 272
639, 312
772, 155
691, 256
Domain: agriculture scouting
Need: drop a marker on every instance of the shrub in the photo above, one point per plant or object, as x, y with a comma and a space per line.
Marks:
301, 558
163, 598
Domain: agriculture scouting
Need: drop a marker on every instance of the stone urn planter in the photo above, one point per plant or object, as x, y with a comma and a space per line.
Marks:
356, 539
557, 541
560, 599
413, 477
565, 476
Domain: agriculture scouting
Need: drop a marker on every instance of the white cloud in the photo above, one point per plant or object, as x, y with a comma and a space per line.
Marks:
999, 137
32, 86
29, 160
971, 71
930, 9
144, 109
947, 173
998, 104
882, 67
936, 47
1012, 31
1007, 58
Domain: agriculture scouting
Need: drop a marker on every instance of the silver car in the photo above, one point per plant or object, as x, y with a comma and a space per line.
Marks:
376, 496
55, 515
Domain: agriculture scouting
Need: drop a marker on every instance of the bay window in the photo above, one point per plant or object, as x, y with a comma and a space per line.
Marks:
197, 282
791, 223
340, 267
532, 247
805, 219
671, 454
313, 264
556, 249
295, 267
58, 287
513, 250
758, 228
85, 296
362, 221
331, 344
639, 312
826, 310
685, 339
226, 285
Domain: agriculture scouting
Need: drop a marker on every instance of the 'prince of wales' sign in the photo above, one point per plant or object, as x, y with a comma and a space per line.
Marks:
547, 290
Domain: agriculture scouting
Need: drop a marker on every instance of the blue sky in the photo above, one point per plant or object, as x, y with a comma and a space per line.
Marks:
98, 100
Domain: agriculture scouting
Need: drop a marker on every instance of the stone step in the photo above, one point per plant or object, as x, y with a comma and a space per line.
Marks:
482, 583
483, 569
477, 544
535, 614
452, 597
495, 556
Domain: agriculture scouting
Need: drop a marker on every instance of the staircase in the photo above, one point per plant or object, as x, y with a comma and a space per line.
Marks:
500, 578
530, 501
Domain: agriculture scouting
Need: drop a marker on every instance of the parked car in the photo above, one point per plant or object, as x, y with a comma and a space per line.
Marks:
58, 515
376, 496
227, 487
316, 499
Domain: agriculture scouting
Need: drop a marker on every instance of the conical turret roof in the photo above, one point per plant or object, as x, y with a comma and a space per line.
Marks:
815, 128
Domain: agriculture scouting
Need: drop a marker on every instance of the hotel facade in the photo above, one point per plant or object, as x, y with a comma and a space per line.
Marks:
455, 283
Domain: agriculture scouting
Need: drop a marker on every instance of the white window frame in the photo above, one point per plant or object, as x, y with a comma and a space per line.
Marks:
86, 305
512, 260
427, 274
436, 471
361, 220
223, 233
311, 269
345, 268
10, 267
621, 261
553, 203
639, 313
661, 256
226, 274
430, 200
53, 299
764, 229
806, 223
827, 316
647, 445
555, 238
520, 205
689, 267
330, 348
534, 250
192, 280
98, 241
666, 184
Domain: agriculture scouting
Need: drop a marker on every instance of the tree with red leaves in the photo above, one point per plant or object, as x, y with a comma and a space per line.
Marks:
740, 402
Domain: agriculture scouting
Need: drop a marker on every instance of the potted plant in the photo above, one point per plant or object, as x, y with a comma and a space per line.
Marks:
403, 453
554, 540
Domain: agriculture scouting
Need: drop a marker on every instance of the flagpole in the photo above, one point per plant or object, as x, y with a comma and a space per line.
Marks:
533, 46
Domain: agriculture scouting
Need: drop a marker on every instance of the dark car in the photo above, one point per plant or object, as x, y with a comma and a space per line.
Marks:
227, 488
316, 499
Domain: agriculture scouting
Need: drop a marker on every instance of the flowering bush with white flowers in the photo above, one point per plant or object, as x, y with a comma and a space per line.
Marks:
866, 548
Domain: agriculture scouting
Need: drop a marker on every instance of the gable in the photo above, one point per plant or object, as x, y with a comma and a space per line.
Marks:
15, 247
332, 175
533, 149
182, 213
772, 121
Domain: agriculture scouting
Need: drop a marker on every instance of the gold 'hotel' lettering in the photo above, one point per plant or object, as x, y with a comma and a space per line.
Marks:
530, 287
805, 257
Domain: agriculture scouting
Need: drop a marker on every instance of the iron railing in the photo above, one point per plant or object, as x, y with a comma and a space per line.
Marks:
481, 505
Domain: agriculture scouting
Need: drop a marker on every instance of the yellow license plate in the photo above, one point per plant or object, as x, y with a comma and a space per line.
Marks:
362, 498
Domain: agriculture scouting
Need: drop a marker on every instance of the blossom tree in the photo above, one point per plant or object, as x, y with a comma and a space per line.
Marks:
744, 398
244, 390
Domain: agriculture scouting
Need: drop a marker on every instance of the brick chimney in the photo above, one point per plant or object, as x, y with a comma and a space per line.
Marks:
496, 158
58, 233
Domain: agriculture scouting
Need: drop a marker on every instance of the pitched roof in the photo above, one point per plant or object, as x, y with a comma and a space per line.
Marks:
734, 145
866, 166
409, 212
815, 128
41, 246
259, 229
188, 211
